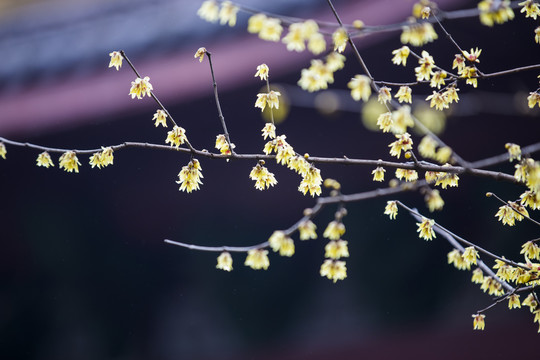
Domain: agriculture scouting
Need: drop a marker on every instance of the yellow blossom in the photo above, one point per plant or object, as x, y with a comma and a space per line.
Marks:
311, 81
271, 29
533, 99
401, 119
263, 178
427, 147
473, 55
332, 184
425, 70
102, 158
295, 38
514, 151
384, 95
311, 182
209, 11
255, 23
262, 72
401, 55
385, 121
531, 199
160, 118
273, 100
333, 270
530, 8
140, 88
200, 53
403, 143
454, 258
431, 176
513, 302
445, 179
425, 228
478, 276
334, 230
469, 72
444, 154
227, 13
336, 249
479, 323
360, 87
3, 150
69, 162
269, 130
451, 94
531, 250
224, 261
278, 241
470, 255
438, 100
418, 34
378, 173
537, 35
437, 80
116, 59
44, 159
177, 136
223, 145
404, 94
316, 43
530, 302
426, 11
459, 62
335, 61
340, 37
434, 200
257, 259
491, 14
391, 209
491, 286
307, 230
506, 215
190, 176
407, 174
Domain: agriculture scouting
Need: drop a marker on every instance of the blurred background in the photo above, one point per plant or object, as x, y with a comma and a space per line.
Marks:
84, 271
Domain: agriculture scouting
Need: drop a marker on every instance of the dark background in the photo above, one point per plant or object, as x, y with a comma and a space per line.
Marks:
85, 274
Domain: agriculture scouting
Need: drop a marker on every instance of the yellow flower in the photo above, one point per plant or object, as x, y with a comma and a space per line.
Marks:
479, 323
459, 62
470, 255
530, 302
438, 79
335, 61
256, 23
269, 130
311, 81
438, 100
426, 11
469, 72
506, 215
69, 162
533, 99
402, 119
316, 43
200, 53
403, 143
336, 249
513, 302
444, 154
391, 209
332, 184
116, 59
385, 121
333, 270
300, 165
44, 159
160, 118
478, 276
227, 13
491, 14
140, 88
295, 38
273, 100
530, 8
257, 259
451, 94
209, 11
384, 95
360, 86
531, 199
514, 151
401, 55
311, 181
537, 35
407, 174
472, 55
340, 37
177, 136
531, 250
491, 286
271, 29
427, 147
418, 34
262, 72
334, 230
425, 228
103, 158
284, 151
425, 70
307, 230
287, 247
3, 150
404, 94
434, 200
378, 173
222, 145
263, 178
190, 176
224, 261
445, 179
